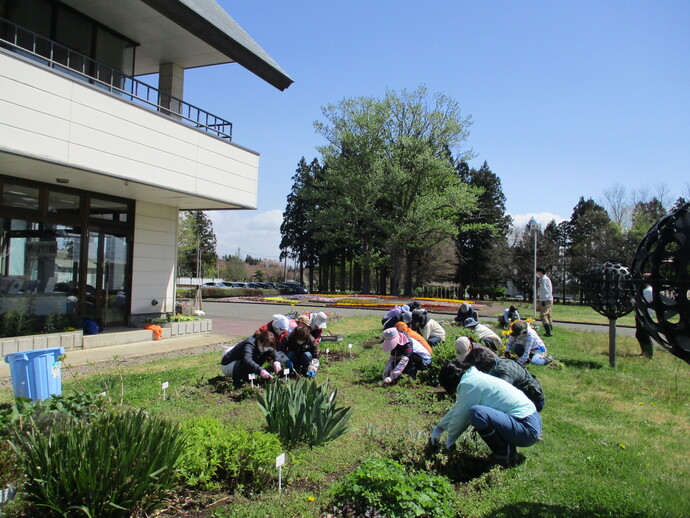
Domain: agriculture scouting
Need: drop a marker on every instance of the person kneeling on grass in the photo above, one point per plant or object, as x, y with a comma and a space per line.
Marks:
509, 371
301, 351
407, 355
501, 414
431, 330
526, 344
248, 357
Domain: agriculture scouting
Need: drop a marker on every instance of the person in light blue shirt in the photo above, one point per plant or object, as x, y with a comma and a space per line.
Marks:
503, 415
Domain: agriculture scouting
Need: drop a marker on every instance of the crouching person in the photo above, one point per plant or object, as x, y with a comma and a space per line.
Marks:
527, 345
301, 351
249, 356
407, 355
503, 415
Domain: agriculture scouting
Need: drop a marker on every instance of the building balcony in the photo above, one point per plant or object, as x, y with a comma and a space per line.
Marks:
65, 116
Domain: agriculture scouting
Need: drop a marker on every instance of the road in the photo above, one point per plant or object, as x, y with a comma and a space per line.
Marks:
243, 318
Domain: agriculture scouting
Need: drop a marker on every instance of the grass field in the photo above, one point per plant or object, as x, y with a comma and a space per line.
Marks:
615, 440
560, 312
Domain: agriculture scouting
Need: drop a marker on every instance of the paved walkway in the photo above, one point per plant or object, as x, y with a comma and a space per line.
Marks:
233, 321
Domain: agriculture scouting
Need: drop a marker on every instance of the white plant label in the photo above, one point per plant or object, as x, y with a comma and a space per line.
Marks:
349, 346
102, 394
286, 372
252, 376
165, 385
280, 460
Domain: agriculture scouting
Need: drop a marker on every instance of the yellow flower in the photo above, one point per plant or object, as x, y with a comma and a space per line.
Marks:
311, 499
623, 446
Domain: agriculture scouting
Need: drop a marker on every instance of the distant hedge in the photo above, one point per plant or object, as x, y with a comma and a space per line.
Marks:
219, 293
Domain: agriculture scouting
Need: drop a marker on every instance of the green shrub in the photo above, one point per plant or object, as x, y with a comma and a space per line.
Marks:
25, 412
384, 485
111, 466
304, 412
216, 455
10, 473
444, 353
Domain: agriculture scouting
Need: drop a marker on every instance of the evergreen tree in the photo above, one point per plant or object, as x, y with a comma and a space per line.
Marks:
196, 251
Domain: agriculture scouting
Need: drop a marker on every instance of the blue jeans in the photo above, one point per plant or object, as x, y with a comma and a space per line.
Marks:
434, 341
300, 359
518, 432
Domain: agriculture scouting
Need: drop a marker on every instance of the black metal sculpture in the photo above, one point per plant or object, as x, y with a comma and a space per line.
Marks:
607, 290
661, 282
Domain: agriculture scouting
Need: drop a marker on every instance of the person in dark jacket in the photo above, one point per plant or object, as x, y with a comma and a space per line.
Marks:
301, 350
466, 311
510, 371
249, 356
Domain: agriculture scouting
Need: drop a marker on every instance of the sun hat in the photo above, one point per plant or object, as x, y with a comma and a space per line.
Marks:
392, 338
407, 317
519, 327
463, 346
280, 323
464, 307
304, 319
470, 322
318, 320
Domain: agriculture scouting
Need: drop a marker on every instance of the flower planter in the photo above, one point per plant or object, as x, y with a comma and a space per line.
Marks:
188, 328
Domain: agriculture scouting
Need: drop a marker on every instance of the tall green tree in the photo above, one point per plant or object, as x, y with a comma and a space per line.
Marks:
392, 187
481, 243
196, 250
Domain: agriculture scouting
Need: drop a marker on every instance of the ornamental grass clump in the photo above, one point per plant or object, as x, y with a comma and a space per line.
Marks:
385, 486
304, 412
113, 465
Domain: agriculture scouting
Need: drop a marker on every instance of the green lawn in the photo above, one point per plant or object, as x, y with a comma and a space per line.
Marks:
615, 440
560, 312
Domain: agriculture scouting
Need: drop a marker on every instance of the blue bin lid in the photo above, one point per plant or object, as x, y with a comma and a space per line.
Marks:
36, 353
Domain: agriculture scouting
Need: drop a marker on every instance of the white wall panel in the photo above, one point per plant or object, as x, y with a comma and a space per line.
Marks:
155, 255
51, 114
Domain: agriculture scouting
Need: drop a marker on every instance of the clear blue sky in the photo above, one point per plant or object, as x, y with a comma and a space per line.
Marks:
567, 98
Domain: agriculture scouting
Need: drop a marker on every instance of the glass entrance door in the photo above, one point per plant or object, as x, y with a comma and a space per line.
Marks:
107, 282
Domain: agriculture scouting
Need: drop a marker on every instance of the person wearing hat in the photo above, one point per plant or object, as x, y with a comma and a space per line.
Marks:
316, 322
526, 343
302, 353
503, 416
508, 316
248, 357
486, 335
510, 371
279, 326
464, 346
431, 330
407, 355
402, 327
544, 300
466, 311
394, 316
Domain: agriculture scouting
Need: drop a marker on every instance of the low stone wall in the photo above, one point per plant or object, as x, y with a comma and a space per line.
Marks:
77, 340
18, 344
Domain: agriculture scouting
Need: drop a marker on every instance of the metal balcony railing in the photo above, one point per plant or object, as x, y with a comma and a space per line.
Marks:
82, 67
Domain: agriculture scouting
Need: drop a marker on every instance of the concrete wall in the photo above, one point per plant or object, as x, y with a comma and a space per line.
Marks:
155, 249
46, 115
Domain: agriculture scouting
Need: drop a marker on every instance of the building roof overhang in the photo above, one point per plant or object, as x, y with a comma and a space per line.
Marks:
190, 33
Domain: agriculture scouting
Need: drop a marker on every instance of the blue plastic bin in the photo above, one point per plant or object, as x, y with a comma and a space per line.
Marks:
36, 374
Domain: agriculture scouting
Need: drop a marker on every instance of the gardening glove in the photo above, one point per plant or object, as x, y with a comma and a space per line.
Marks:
265, 374
290, 365
277, 367
507, 354
450, 444
436, 435
388, 380
311, 374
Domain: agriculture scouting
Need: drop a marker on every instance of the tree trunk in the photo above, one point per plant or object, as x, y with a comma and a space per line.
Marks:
343, 272
409, 269
397, 272
357, 277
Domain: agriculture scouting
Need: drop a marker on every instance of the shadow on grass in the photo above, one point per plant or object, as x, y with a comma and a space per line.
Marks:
531, 509
581, 364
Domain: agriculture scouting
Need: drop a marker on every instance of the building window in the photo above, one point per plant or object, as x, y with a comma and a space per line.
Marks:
19, 196
108, 209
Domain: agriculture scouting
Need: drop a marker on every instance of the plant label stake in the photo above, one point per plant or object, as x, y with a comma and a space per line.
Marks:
327, 351
252, 377
286, 373
280, 460
103, 394
164, 386
349, 346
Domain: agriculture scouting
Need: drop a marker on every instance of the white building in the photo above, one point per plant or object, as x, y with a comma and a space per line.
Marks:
94, 165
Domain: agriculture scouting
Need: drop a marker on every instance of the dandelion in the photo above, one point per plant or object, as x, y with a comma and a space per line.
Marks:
311, 499
623, 446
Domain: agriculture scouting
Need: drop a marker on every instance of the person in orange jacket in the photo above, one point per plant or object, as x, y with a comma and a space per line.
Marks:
404, 328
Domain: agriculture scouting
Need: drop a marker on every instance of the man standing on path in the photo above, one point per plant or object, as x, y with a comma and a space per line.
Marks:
544, 300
